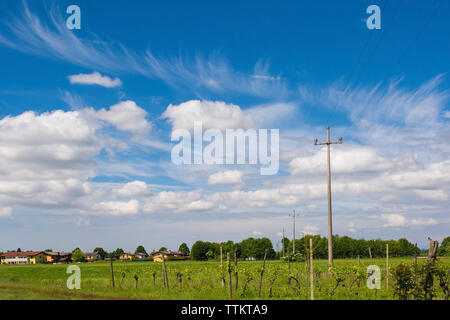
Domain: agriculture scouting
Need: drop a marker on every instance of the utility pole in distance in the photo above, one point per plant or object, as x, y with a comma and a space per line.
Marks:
330, 220
293, 232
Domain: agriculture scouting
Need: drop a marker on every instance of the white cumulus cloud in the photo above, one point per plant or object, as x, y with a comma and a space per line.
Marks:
125, 116
114, 208
95, 78
135, 188
212, 114
226, 177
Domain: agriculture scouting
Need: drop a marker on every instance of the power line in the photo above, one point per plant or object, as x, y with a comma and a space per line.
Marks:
416, 38
355, 66
383, 34
406, 51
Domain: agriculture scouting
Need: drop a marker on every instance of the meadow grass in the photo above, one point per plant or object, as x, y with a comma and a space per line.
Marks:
200, 281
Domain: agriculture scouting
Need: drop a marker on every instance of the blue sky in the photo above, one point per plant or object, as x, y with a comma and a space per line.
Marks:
89, 165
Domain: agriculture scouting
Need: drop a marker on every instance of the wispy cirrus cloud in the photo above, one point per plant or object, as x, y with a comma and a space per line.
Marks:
394, 104
30, 34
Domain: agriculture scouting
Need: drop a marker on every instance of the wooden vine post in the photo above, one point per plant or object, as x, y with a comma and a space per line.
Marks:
415, 255
164, 271
289, 269
230, 289
221, 266
262, 273
387, 266
236, 279
429, 278
371, 263
311, 268
112, 271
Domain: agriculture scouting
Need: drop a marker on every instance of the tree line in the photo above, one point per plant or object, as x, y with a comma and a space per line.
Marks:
343, 247
246, 249
347, 247
254, 248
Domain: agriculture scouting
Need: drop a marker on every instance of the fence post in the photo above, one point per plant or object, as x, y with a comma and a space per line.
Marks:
311, 268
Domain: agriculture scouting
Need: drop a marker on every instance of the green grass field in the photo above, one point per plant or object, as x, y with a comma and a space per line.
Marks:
200, 280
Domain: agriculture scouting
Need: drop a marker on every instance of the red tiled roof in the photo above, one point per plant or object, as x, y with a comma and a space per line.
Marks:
21, 254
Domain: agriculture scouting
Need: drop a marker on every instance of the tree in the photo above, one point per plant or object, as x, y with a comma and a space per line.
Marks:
199, 250
162, 249
78, 255
444, 249
48, 250
446, 242
184, 248
117, 253
406, 247
19, 250
141, 249
101, 252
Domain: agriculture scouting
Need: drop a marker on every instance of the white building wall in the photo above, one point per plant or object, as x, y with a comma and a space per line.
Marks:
17, 260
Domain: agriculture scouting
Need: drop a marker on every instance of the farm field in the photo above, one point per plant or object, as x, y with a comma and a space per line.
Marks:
200, 281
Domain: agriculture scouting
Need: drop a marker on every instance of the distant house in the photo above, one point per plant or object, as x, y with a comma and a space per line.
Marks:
140, 255
127, 256
92, 256
58, 257
28, 257
168, 255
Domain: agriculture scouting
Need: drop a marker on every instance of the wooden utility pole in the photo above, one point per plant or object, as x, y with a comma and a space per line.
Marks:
293, 232
311, 268
330, 220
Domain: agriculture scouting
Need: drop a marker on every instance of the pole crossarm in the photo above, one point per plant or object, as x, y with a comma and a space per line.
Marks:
327, 143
